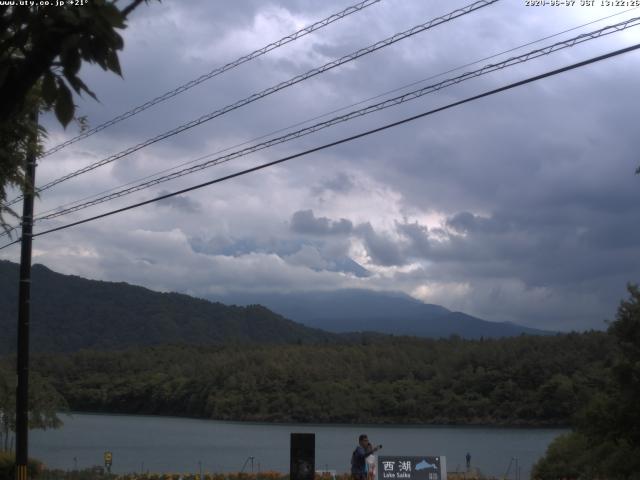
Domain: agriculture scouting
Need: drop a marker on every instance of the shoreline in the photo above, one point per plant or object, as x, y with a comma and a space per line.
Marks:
328, 424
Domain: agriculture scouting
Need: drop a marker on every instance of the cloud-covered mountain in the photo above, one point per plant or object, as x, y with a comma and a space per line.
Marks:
395, 313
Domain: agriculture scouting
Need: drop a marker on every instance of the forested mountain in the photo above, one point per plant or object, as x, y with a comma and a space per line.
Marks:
528, 380
69, 313
385, 312
288, 372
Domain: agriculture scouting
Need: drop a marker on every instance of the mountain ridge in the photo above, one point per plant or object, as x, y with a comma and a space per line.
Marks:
397, 313
71, 313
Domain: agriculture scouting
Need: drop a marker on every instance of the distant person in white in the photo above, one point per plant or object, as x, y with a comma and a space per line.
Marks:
371, 463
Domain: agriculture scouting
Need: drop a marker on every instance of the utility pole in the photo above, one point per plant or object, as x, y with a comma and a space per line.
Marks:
24, 300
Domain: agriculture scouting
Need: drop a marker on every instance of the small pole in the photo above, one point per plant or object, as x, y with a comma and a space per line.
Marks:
24, 301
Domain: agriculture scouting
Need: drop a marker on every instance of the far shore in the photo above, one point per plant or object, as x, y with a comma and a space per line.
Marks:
329, 424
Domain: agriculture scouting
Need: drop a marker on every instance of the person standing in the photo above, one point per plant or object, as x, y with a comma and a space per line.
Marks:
359, 455
468, 461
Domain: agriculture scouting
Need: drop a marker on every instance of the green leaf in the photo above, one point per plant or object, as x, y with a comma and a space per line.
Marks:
116, 41
70, 61
112, 15
49, 88
79, 86
70, 17
113, 62
64, 105
70, 42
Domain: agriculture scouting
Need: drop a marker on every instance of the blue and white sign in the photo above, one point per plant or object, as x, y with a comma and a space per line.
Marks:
412, 468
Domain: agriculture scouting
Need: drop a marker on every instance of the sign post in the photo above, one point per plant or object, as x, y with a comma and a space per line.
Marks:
108, 458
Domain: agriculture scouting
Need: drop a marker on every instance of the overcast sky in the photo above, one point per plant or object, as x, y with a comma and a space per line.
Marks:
518, 207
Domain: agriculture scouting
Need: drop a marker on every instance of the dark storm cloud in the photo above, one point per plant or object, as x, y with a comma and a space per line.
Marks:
552, 251
548, 254
341, 183
543, 252
418, 238
305, 222
382, 249
465, 222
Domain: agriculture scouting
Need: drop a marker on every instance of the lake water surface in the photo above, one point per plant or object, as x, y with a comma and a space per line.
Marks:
165, 444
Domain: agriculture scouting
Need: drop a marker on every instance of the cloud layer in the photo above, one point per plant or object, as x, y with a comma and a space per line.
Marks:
518, 207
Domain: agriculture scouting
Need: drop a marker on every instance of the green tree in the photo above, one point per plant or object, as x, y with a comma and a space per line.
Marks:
626, 372
41, 51
566, 457
16, 140
608, 428
44, 405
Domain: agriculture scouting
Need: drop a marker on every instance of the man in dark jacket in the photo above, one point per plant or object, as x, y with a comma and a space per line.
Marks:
362, 451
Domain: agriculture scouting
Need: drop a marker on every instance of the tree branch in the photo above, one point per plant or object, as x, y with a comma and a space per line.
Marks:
127, 10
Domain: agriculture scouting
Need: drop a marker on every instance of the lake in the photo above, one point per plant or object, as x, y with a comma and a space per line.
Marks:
178, 445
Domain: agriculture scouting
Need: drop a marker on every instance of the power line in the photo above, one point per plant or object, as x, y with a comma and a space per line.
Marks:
256, 96
13, 228
217, 71
348, 139
381, 95
102, 197
413, 95
9, 244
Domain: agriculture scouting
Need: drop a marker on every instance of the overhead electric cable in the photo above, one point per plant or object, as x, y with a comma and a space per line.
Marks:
9, 244
217, 71
256, 96
102, 197
297, 124
380, 95
347, 139
351, 115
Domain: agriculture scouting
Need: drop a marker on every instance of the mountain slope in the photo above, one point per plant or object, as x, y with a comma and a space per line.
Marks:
70, 313
384, 312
